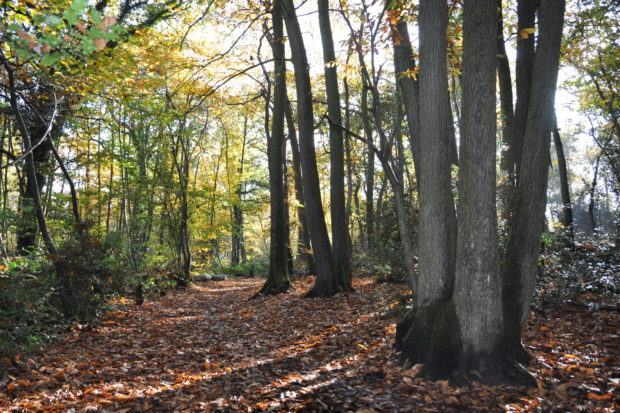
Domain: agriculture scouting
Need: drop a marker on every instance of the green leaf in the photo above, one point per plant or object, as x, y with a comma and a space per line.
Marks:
71, 16
38, 18
49, 59
79, 5
53, 20
15, 27
118, 29
87, 46
95, 15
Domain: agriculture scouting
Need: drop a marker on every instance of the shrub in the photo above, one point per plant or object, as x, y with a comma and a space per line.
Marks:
29, 304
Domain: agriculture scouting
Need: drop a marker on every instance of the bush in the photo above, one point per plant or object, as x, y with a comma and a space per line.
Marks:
29, 304
256, 267
89, 275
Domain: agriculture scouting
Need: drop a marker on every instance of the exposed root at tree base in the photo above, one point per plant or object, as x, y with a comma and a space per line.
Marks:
493, 369
272, 288
315, 293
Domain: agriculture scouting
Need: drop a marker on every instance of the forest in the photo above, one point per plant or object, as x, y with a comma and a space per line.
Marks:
276, 205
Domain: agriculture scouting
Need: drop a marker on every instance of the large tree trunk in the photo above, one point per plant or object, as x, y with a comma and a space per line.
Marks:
324, 285
278, 279
477, 291
340, 230
427, 335
520, 264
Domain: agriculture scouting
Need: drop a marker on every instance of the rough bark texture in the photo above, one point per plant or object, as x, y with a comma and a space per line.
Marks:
427, 335
520, 265
278, 278
340, 230
324, 285
477, 291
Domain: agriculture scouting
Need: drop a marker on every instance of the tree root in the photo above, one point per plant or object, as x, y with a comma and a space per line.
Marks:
272, 288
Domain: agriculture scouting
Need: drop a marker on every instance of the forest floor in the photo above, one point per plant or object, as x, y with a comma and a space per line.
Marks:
208, 348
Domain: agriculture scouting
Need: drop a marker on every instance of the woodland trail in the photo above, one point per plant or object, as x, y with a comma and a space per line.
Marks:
208, 348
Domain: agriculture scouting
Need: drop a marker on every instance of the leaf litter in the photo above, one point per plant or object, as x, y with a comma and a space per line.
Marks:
208, 348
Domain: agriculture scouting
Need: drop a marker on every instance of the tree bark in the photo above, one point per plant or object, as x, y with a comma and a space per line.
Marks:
505, 95
304, 250
427, 334
567, 209
520, 264
33, 185
405, 66
370, 171
477, 291
340, 230
526, 17
324, 285
591, 216
278, 279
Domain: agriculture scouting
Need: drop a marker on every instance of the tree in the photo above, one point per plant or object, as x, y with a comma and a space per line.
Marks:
526, 226
477, 290
278, 279
340, 230
463, 292
567, 209
325, 281
427, 333
64, 42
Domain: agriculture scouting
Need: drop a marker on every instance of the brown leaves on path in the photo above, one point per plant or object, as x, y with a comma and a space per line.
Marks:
210, 349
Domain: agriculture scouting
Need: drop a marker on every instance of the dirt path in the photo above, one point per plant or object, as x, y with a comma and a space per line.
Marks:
209, 348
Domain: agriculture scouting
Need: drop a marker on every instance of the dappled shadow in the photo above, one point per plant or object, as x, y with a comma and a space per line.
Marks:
202, 345
209, 348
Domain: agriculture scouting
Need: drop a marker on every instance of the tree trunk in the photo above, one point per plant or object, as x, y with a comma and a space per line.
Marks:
340, 230
237, 227
477, 291
591, 216
427, 334
526, 17
370, 174
324, 285
278, 279
567, 209
303, 237
507, 162
405, 66
520, 264
34, 186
